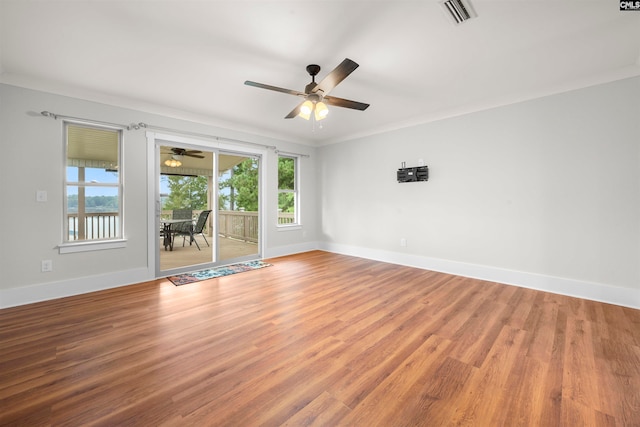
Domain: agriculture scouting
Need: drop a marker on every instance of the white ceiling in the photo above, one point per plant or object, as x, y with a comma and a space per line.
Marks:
189, 59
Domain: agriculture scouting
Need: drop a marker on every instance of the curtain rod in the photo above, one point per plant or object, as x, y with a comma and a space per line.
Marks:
292, 154
60, 116
202, 135
141, 125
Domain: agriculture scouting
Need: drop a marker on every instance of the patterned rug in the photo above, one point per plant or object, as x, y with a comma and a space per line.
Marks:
210, 273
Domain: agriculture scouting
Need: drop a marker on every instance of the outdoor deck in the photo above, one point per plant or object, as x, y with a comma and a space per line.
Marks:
237, 230
190, 255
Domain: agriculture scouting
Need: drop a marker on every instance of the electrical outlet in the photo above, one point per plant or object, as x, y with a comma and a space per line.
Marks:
403, 242
41, 196
47, 265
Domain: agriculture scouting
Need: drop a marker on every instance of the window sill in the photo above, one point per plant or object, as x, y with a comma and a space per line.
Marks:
286, 227
70, 248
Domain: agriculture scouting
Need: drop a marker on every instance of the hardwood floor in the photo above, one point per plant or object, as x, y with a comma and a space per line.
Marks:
321, 339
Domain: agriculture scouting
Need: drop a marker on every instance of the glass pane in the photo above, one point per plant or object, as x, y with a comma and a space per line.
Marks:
184, 192
104, 176
93, 175
238, 203
286, 173
72, 174
286, 208
238, 186
92, 213
96, 199
185, 184
72, 199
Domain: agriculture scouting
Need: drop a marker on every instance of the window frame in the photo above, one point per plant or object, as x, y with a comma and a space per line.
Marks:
118, 240
297, 222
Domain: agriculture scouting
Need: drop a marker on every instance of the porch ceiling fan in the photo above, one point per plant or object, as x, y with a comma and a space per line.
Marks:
177, 152
316, 94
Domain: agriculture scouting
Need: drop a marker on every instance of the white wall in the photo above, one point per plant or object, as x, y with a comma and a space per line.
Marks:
32, 149
544, 194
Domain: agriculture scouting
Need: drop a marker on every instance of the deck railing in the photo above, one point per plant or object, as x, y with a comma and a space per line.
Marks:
96, 225
239, 225
243, 225
286, 218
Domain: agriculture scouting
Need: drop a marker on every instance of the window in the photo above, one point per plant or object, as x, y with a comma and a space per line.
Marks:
288, 198
93, 184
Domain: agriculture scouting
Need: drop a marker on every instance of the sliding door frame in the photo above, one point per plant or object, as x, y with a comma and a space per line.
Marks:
154, 141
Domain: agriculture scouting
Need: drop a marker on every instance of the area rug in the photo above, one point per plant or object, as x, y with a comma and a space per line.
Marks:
210, 273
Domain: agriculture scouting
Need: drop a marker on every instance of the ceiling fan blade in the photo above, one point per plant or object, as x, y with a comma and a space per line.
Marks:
294, 112
275, 88
182, 152
338, 74
341, 102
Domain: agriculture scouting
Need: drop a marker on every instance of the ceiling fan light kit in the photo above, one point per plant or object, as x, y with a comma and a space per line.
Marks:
306, 108
177, 154
318, 108
316, 94
321, 110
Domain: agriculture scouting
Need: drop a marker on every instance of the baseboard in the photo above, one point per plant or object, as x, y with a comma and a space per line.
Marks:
625, 297
13, 297
592, 291
52, 290
290, 249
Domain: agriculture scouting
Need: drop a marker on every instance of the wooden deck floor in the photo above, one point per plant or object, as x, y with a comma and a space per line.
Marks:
321, 339
190, 255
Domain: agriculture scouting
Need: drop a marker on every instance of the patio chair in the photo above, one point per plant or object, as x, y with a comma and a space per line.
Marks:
182, 214
193, 230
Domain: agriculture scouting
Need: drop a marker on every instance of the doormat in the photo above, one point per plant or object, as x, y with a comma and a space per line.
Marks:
210, 273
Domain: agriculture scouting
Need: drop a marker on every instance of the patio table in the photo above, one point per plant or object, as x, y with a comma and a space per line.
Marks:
167, 233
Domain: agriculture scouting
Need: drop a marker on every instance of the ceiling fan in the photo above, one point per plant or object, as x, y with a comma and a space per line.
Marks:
316, 94
182, 152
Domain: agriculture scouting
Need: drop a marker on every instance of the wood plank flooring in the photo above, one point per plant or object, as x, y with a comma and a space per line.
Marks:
321, 339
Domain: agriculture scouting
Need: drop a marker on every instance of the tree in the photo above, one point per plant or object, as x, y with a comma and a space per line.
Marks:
286, 173
93, 204
242, 184
238, 189
286, 184
186, 192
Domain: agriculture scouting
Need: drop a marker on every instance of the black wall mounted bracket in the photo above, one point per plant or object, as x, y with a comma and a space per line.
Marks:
415, 174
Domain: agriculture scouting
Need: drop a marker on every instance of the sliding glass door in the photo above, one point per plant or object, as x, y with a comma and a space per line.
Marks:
187, 188
238, 207
208, 207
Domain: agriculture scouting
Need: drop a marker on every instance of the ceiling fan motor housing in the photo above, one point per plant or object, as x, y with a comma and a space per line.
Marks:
313, 69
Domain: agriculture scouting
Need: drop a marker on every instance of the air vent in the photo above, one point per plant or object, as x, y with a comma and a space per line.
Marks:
458, 11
